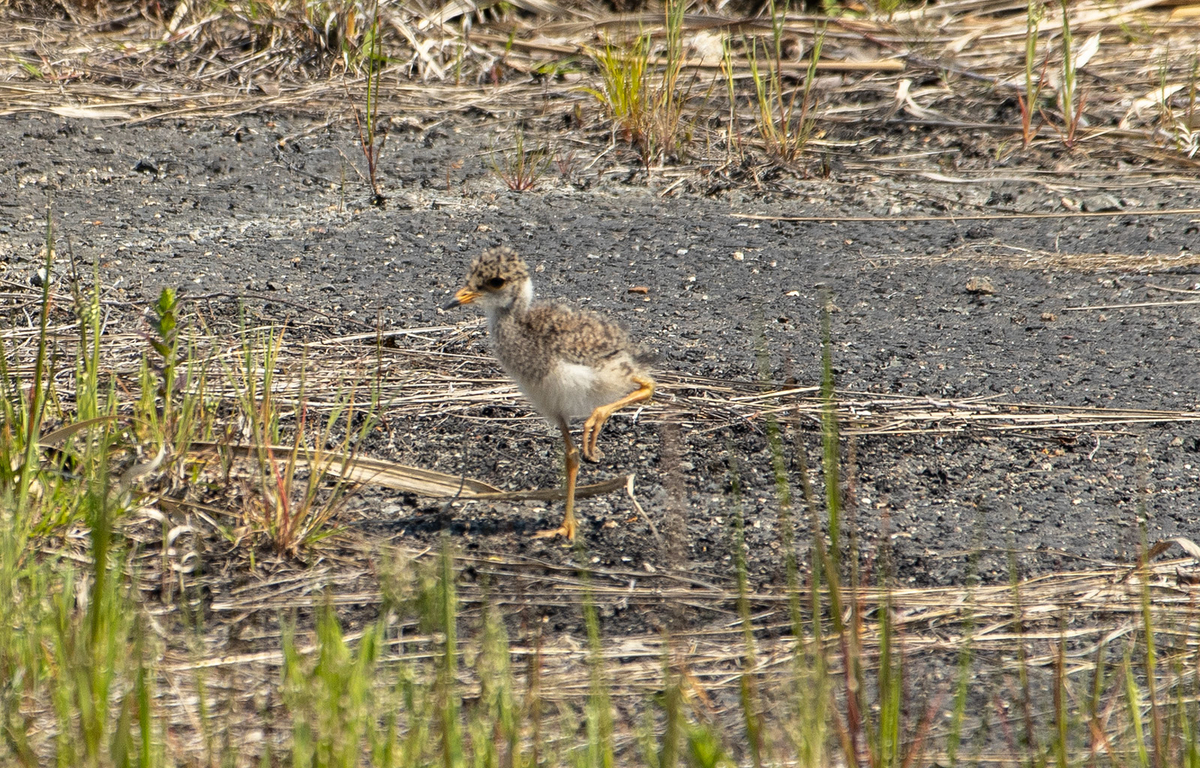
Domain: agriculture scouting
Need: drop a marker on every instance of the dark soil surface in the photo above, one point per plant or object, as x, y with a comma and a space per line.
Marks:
272, 209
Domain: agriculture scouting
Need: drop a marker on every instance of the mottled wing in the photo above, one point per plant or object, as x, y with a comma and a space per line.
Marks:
577, 336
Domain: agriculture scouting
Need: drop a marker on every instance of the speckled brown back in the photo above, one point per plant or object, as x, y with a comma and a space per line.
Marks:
531, 341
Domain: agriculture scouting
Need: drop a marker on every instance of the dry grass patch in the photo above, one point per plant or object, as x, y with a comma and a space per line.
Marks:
1123, 90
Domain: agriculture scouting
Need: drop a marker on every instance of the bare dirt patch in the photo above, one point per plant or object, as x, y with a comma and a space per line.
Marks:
228, 217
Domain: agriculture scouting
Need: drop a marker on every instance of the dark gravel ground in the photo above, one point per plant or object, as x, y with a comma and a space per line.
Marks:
272, 208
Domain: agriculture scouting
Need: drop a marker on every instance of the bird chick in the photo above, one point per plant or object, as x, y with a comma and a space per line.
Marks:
570, 363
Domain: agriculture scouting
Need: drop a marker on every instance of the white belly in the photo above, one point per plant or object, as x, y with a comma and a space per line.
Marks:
573, 391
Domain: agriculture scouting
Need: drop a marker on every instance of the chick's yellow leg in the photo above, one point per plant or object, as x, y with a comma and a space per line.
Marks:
568, 524
595, 422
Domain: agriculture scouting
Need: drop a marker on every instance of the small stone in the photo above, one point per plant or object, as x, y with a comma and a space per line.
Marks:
38, 278
1101, 202
981, 285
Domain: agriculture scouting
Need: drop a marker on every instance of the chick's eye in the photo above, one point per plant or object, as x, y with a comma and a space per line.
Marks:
496, 282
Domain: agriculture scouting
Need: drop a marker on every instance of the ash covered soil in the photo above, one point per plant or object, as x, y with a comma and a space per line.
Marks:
270, 212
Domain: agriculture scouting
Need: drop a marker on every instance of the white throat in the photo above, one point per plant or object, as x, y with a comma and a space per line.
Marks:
515, 302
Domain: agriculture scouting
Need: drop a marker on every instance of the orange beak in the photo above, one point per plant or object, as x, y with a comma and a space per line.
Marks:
464, 296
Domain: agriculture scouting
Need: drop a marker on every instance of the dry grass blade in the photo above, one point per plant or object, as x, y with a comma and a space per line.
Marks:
91, 113
1187, 545
1015, 257
974, 217
456, 8
364, 470
51, 439
1136, 305
557, 494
